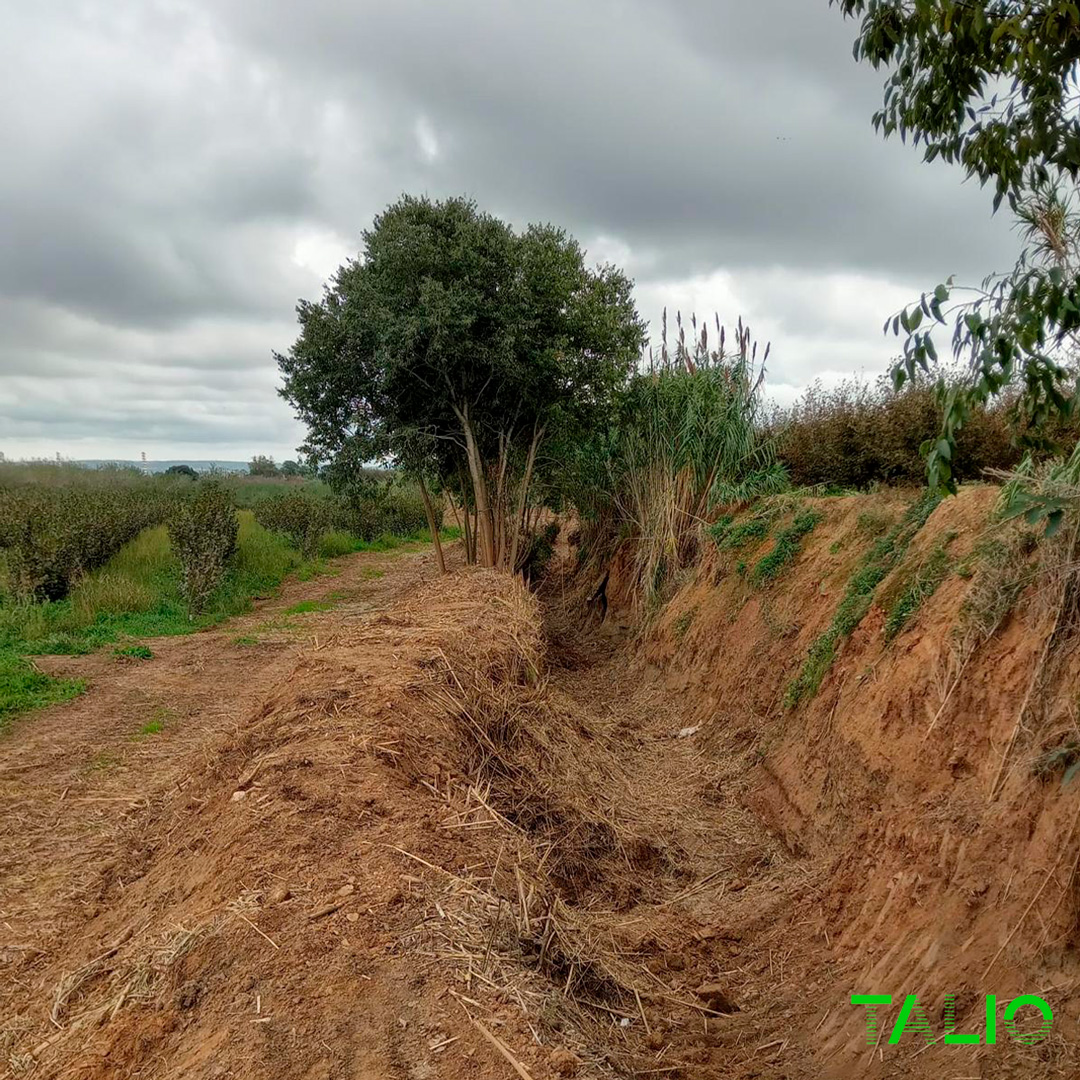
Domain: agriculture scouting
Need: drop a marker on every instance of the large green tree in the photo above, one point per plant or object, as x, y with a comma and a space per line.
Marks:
457, 346
991, 85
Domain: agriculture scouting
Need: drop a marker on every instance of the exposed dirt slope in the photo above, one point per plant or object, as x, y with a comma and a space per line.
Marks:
924, 799
460, 833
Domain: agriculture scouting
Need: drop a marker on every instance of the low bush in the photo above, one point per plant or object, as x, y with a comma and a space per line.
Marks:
204, 534
303, 518
857, 433
54, 535
394, 510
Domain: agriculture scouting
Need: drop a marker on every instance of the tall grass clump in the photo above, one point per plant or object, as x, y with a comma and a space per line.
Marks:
204, 536
687, 437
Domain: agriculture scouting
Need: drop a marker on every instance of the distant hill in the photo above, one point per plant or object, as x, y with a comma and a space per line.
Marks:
161, 466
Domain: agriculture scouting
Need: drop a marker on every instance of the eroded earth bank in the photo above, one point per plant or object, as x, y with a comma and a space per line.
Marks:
451, 828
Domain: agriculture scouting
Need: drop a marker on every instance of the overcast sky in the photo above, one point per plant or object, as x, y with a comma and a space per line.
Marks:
177, 173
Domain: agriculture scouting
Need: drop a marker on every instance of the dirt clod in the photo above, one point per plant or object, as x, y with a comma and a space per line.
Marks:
716, 998
565, 1062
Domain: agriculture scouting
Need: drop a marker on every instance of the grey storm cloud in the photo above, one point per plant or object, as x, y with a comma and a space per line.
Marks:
179, 172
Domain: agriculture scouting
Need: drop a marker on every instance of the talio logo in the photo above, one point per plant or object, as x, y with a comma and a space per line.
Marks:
912, 1015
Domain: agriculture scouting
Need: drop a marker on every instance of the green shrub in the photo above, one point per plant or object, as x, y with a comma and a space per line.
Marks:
54, 535
204, 535
303, 518
858, 433
392, 511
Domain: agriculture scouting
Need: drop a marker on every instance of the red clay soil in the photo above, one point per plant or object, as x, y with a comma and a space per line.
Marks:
444, 831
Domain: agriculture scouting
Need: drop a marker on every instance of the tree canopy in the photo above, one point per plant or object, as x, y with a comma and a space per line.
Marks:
991, 85
454, 345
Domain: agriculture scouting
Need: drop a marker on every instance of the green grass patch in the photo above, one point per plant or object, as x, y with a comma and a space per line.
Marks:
885, 554
23, 687
332, 545
246, 639
151, 727
309, 605
372, 572
718, 530
919, 588
752, 530
787, 546
134, 652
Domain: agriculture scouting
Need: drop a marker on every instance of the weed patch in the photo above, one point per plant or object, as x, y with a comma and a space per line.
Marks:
923, 584
134, 652
787, 546
23, 687
875, 566
742, 534
309, 605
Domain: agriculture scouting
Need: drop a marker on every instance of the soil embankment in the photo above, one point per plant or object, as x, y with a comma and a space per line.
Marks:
449, 831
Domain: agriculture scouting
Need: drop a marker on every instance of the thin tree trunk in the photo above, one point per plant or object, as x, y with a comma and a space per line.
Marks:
484, 529
500, 501
470, 534
432, 524
526, 480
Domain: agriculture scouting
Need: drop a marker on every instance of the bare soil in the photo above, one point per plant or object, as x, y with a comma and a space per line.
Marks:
447, 830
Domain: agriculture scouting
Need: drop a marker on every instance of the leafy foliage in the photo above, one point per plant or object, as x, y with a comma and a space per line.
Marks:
302, 517
54, 535
857, 434
204, 535
992, 86
393, 509
456, 346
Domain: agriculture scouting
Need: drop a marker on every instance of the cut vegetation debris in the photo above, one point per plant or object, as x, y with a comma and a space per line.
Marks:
496, 814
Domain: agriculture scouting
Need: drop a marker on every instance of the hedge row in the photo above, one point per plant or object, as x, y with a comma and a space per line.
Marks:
857, 433
304, 518
54, 535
